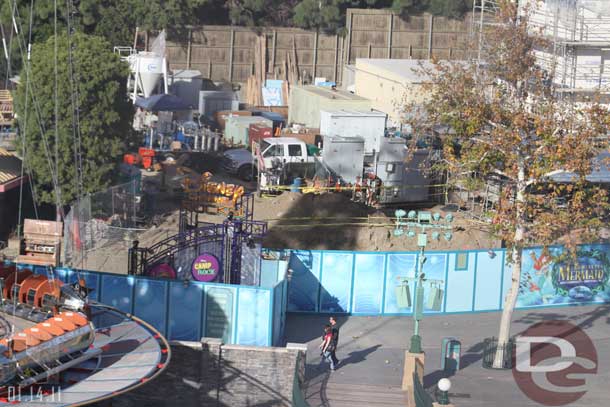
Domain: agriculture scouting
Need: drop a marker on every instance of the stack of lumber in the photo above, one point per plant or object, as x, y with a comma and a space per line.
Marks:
288, 71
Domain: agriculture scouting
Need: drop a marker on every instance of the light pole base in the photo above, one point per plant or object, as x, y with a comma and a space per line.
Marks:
443, 398
415, 344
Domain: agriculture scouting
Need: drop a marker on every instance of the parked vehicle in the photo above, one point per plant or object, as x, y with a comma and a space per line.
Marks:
285, 150
239, 162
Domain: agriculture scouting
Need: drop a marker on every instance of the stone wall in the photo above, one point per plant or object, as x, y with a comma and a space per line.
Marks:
208, 373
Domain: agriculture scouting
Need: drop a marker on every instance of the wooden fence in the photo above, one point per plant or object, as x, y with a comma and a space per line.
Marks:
227, 52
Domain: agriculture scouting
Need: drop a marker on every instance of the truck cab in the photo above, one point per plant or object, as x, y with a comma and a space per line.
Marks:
283, 150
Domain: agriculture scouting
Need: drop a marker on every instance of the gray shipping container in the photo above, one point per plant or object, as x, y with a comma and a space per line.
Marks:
186, 84
212, 101
344, 156
403, 181
368, 124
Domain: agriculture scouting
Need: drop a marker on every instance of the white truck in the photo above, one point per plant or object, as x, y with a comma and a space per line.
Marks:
282, 150
279, 158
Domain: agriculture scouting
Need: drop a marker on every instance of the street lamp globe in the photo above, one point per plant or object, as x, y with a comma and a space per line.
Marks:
444, 384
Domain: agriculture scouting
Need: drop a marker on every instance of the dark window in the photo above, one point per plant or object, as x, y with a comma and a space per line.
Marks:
31, 295
48, 301
295, 150
275, 151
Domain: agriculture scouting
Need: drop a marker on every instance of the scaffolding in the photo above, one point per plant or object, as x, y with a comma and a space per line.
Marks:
578, 40
483, 19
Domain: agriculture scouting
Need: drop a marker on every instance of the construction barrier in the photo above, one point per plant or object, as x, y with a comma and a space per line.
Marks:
374, 283
188, 311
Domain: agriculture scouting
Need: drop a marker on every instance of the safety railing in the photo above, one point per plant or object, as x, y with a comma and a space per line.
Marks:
491, 348
298, 396
422, 399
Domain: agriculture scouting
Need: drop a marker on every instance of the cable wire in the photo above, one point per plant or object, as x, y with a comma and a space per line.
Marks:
37, 109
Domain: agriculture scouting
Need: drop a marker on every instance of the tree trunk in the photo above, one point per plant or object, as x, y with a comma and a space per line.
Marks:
509, 306
516, 255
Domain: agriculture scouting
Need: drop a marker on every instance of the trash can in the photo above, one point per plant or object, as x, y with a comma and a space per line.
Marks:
296, 185
451, 350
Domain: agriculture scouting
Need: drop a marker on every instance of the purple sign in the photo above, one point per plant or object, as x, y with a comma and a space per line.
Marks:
205, 268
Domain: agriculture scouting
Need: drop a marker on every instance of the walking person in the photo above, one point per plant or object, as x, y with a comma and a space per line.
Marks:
334, 330
327, 346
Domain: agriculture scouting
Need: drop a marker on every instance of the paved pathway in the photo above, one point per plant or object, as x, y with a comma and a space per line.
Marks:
371, 351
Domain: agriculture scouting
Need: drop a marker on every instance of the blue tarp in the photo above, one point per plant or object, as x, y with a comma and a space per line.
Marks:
162, 103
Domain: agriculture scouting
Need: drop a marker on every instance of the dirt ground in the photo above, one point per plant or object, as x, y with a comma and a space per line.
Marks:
328, 221
332, 221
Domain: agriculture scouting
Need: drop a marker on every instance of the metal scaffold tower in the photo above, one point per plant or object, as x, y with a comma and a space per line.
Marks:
577, 49
483, 18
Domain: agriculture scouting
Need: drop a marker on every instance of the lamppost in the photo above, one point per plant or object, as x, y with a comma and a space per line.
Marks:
443, 386
423, 221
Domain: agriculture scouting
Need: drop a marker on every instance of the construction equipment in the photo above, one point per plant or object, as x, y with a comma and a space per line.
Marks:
41, 243
7, 114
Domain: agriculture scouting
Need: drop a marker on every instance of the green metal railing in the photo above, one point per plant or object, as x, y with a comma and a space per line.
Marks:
422, 399
298, 399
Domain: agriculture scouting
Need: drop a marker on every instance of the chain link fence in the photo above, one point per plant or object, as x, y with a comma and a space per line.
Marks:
100, 220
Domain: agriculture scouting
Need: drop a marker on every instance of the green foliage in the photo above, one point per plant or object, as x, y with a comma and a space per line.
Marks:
105, 114
315, 14
449, 8
409, 7
116, 20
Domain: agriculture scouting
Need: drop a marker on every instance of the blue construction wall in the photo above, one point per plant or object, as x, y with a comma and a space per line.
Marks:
189, 311
365, 283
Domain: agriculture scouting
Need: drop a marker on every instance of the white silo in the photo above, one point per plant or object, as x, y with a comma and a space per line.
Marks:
147, 69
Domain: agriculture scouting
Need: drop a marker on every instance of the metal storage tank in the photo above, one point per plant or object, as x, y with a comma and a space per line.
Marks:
212, 101
403, 181
307, 101
236, 128
368, 124
345, 156
186, 84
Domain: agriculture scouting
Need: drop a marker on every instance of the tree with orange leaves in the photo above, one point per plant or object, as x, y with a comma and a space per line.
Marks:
506, 119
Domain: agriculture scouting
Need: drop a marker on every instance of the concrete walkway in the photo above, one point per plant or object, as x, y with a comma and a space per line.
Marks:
371, 350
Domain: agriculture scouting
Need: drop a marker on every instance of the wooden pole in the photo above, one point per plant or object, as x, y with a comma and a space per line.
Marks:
336, 57
430, 36
348, 49
188, 49
390, 29
135, 39
230, 73
315, 55
274, 45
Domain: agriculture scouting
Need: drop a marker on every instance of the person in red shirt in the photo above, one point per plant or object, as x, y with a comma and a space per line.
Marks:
327, 346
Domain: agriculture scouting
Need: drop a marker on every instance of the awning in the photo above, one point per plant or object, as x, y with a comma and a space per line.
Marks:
162, 103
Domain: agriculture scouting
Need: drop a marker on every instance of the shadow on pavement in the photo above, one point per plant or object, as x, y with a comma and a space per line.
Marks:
358, 356
474, 354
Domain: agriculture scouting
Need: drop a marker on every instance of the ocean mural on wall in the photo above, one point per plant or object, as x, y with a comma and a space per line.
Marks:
552, 277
